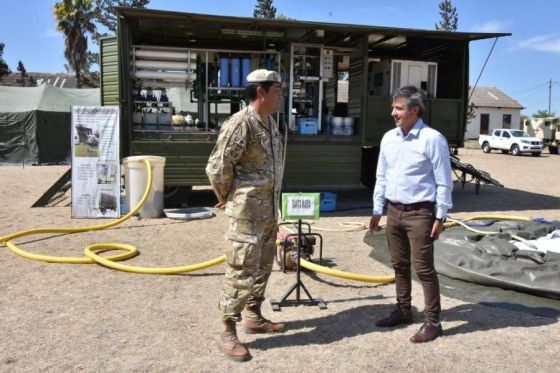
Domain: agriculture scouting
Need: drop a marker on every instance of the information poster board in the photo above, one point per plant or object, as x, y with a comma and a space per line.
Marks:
96, 181
296, 206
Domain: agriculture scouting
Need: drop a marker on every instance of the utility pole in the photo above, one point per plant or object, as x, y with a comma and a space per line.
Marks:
549, 95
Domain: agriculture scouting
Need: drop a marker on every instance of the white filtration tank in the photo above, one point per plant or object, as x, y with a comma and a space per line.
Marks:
136, 178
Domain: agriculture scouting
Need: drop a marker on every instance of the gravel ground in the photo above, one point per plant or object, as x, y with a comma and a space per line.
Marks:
71, 317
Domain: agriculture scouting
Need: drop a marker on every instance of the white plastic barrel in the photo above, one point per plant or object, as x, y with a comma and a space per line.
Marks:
135, 180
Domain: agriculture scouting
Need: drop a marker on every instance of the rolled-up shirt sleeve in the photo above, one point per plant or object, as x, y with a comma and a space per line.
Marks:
441, 166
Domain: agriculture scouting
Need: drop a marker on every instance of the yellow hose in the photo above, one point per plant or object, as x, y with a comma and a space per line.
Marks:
130, 251
347, 275
500, 217
336, 273
90, 251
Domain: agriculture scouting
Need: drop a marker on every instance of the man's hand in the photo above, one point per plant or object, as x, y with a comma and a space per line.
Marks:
437, 228
220, 205
374, 223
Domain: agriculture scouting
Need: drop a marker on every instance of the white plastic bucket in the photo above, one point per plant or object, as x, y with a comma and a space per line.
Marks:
336, 125
135, 180
348, 128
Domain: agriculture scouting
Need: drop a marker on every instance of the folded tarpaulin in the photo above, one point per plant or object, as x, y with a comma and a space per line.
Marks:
493, 260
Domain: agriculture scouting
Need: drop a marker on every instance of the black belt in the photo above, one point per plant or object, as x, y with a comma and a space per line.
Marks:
413, 206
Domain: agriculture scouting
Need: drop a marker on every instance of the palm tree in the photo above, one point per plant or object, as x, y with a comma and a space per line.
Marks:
75, 20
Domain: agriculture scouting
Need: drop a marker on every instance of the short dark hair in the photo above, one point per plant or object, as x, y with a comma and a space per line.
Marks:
414, 97
251, 89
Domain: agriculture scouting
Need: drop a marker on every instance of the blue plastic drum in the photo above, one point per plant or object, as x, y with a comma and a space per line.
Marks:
224, 71
245, 69
235, 72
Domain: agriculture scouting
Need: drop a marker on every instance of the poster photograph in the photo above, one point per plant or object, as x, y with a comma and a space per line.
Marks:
95, 162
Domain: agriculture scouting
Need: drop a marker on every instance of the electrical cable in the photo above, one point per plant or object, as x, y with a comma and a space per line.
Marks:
482, 69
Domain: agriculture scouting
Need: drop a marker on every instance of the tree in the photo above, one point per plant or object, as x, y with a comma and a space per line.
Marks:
283, 17
22, 73
4, 69
449, 17
264, 9
543, 114
106, 15
471, 112
91, 78
74, 19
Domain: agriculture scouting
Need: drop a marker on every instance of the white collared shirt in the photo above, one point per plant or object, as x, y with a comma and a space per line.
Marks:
414, 168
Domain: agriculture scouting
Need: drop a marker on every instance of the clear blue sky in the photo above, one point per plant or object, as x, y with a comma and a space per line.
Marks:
521, 65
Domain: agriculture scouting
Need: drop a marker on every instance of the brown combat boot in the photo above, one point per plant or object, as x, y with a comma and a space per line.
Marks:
230, 345
255, 323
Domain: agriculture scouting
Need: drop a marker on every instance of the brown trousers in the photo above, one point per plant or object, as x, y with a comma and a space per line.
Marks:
408, 232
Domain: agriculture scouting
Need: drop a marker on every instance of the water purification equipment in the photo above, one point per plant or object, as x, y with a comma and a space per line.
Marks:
224, 71
235, 72
164, 75
164, 55
245, 69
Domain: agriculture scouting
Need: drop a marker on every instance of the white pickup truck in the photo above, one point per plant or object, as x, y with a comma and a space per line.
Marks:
514, 141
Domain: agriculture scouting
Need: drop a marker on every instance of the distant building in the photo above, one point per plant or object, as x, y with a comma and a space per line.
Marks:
492, 109
60, 80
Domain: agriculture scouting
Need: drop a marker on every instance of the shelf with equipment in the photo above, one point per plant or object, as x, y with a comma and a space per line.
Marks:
204, 85
305, 88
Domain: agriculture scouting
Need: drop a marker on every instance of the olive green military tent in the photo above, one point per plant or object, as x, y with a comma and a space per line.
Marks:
35, 122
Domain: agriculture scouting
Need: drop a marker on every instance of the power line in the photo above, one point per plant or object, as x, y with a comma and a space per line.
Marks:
531, 88
550, 93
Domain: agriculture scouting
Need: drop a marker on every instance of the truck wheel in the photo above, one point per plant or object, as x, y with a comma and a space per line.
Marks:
536, 154
553, 149
515, 150
505, 151
176, 196
486, 148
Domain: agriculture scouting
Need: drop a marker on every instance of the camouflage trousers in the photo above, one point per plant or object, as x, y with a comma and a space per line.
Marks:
249, 258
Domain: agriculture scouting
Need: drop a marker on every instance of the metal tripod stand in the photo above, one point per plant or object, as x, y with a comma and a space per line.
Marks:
297, 285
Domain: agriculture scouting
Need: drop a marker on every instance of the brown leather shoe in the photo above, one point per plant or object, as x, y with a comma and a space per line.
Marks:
255, 323
428, 332
397, 317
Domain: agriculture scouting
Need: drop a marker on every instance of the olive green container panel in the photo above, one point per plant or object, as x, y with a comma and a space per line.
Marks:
109, 66
322, 164
379, 119
446, 117
185, 162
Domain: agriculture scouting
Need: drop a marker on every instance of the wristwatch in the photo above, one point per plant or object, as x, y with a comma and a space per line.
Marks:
441, 220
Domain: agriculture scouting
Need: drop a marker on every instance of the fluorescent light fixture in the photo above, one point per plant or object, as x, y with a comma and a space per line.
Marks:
245, 33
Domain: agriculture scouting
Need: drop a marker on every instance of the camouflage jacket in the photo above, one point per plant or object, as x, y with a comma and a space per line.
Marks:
245, 167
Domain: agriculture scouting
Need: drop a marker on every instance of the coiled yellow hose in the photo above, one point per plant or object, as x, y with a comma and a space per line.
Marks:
90, 251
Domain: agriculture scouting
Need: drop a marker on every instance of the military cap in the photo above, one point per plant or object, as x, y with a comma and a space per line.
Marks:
262, 75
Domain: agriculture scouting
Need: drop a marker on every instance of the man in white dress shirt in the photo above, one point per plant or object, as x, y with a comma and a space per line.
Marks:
414, 179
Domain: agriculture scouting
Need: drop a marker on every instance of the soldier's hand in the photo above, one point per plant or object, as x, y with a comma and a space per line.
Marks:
220, 205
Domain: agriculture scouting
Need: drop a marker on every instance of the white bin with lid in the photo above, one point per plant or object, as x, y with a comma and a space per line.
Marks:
135, 180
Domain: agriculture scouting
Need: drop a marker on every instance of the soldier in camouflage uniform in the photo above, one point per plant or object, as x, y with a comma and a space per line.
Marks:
245, 170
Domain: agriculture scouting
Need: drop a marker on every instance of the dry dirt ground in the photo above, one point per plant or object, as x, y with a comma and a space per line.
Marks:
71, 318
